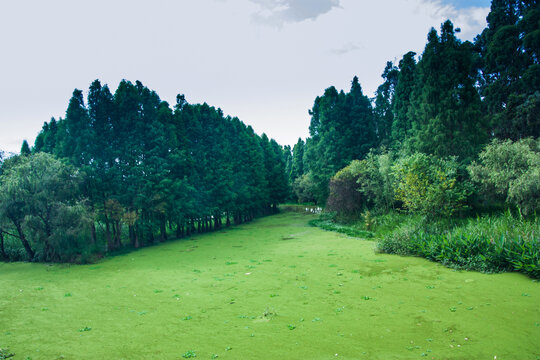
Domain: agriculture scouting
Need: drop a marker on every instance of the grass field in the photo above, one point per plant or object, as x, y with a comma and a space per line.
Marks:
272, 289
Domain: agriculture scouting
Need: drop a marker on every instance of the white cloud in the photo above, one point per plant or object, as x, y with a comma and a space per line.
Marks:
345, 49
278, 12
471, 20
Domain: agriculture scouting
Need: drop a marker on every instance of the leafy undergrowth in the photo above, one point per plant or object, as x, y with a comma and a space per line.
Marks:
488, 244
365, 225
350, 230
492, 243
274, 288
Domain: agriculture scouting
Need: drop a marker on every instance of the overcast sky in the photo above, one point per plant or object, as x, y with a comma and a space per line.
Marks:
264, 61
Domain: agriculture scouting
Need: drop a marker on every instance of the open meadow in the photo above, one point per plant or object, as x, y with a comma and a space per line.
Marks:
275, 288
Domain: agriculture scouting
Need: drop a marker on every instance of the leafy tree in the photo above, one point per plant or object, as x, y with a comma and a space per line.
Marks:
39, 198
430, 186
25, 148
46, 139
151, 168
288, 159
297, 160
77, 137
511, 71
342, 129
446, 106
344, 197
384, 98
511, 171
305, 188
402, 123
376, 180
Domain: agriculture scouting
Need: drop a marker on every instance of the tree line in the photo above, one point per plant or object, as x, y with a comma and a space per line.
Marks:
447, 104
126, 169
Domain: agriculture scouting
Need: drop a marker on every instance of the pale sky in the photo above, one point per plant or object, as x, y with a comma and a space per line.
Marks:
264, 61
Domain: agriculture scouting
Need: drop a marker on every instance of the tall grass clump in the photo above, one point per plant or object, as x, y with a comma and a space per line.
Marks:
487, 244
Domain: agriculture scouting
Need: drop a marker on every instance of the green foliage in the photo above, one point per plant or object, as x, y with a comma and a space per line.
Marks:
489, 244
511, 171
401, 104
511, 73
39, 201
189, 354
150, 169
384, 97
297, 169
344, 197
445, 104
305, 188
430, 186
367, 183
342, 129
376, 180
329, 222
5, 354
25, 148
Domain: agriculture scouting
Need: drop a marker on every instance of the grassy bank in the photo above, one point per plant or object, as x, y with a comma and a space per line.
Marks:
494, 243
274, 288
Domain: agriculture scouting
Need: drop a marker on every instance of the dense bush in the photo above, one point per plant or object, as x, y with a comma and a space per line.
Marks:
430, 186
489, 244
344, 197
304, 189
376, 180
511, 171
39, 205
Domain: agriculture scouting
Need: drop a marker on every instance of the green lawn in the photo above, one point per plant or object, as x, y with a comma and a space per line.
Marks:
272, 289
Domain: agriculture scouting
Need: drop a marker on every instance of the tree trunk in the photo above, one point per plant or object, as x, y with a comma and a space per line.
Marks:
136, 243
118, 238
93, 226
131, 232
93, 231
25, 243
110, 244
163, 230
2, 250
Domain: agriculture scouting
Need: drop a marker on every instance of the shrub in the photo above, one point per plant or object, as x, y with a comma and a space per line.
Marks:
367, 183
305, 188
430, 186
344, 197
41, 204
489, 244
511, 171
376, 180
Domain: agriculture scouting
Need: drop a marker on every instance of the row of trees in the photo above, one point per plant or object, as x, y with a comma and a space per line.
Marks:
145, 170
449, 102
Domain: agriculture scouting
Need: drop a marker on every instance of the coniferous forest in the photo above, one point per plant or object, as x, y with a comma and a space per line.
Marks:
125, 169
450, 135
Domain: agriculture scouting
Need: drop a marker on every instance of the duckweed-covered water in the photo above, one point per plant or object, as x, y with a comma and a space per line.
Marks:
272, 289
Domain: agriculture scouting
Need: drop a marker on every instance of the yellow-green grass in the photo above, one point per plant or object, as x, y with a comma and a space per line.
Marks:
272, 289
